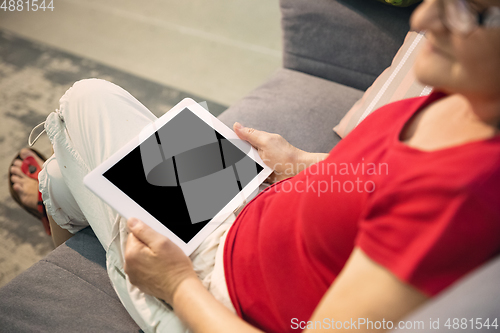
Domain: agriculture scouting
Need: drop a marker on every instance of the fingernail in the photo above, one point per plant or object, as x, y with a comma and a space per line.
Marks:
238, 125
132, 222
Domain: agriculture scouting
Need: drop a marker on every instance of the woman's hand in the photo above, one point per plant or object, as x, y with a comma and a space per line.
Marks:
153, 263
285, 159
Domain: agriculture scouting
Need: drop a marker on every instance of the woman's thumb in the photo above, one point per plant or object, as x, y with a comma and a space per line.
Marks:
142, 231
251, 135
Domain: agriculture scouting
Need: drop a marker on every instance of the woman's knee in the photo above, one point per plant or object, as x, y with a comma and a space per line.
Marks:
92, 87
88, 101
96, 99
86, 93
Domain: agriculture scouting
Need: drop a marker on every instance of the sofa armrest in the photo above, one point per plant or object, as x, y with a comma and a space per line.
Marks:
300, 107
475, 297
68, 291
346, 41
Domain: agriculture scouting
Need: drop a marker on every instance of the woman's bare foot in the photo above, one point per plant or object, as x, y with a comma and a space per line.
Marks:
26, 187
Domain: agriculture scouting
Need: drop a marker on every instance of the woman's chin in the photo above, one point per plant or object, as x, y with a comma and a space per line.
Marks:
432, 73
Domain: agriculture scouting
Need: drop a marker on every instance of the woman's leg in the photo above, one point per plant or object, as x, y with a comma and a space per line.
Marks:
95, 119
59, 235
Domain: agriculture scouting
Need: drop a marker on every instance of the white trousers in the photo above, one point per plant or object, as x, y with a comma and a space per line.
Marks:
95, 119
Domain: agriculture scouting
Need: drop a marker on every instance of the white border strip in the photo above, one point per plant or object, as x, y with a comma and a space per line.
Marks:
381, 92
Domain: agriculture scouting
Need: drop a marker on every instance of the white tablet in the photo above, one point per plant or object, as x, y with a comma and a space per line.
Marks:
183, 175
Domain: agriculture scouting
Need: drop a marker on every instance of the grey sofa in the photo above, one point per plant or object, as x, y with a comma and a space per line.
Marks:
333, 50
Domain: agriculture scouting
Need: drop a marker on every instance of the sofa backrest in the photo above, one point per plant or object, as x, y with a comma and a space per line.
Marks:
347, 41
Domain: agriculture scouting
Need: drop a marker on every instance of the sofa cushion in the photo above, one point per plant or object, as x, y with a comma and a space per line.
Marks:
400, 3
475, 296
300, 107
347, 41
68, 291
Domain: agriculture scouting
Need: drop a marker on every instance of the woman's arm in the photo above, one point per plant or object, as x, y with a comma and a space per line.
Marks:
285, 159
364, 289
159, 268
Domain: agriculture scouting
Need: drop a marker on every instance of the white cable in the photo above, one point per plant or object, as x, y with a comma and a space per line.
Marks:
31, 143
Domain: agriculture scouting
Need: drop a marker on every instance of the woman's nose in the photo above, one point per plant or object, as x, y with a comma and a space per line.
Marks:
427, 16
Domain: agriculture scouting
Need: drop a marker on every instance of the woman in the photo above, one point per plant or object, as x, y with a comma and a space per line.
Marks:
296, 258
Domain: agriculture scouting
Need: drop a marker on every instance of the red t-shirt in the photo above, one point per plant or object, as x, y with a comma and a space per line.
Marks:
428, 217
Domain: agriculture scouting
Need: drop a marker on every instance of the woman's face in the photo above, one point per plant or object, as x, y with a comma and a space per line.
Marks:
469, 65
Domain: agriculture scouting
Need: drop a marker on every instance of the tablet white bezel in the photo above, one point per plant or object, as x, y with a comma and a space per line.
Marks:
128, 208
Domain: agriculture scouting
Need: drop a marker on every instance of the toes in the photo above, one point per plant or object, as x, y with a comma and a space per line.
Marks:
18, 163
25, 187
25, 152
16, 171
17, 186
15, 179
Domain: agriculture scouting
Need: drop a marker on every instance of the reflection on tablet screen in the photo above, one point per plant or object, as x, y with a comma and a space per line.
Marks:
184, 174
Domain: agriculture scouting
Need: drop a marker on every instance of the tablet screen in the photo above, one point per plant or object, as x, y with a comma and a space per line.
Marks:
184, 174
